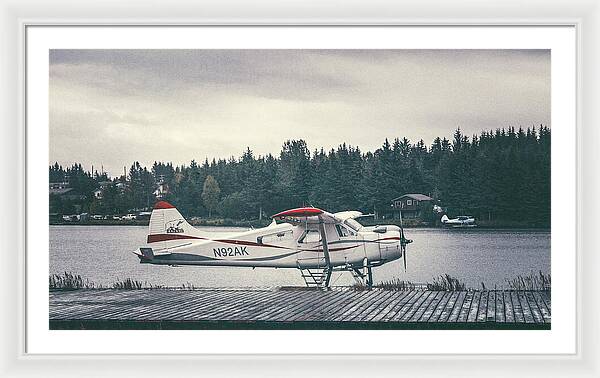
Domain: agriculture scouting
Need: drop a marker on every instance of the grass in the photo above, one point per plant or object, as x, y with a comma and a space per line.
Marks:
72, 281
442, 283
397, 284
531, 281
69, 281
129, 284
445, 282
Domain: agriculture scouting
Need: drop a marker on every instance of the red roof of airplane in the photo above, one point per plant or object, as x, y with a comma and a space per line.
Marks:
299, 212
163, 205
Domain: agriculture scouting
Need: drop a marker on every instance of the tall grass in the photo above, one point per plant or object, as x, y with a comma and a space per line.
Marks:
129, 284
531, 281
398, 284
441, 283
69, 281
446, 282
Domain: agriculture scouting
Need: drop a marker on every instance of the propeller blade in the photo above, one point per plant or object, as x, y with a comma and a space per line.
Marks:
401, 226
403, 241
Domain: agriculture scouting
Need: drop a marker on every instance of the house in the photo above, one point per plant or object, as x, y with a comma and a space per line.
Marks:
61, 195
411, 205
69, 194
59, 185
161, 191
98, 194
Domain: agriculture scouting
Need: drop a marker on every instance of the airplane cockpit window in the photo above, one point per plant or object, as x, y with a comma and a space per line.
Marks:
354, 225
310, 236
342, 231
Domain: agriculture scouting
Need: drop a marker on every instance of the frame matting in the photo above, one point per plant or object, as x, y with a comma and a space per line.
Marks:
584, 15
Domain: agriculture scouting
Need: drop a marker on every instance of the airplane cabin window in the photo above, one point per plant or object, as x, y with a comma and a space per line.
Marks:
310, 236
342, 231
353, 225
275, 237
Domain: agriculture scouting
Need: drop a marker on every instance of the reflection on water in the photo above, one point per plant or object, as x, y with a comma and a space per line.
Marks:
103, 254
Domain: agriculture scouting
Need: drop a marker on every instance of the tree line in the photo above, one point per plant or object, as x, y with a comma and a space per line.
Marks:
502, 174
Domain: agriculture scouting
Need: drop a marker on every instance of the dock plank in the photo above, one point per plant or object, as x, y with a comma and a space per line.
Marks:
474, 307
483, 302
542, 306
414, 306
546, 297
500, 318
330, 307
450, 304
533, 306
397, 297
439, 308
358, 306
375, 306
491, 307
399, 313
466, 307
320, 305
525, 307
509, 314
455, 314
427, 307
517, 309
398, 306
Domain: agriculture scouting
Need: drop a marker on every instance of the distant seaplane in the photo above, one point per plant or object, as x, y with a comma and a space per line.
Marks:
309, 239
459, 222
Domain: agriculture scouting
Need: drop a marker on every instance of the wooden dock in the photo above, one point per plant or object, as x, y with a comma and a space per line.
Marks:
281, 308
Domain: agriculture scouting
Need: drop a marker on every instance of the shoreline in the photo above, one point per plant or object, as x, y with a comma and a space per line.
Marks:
258, 224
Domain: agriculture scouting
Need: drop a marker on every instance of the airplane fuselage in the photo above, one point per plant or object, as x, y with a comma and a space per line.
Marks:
277, 246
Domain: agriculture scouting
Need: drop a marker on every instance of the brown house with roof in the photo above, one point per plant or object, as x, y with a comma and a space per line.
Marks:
411, 205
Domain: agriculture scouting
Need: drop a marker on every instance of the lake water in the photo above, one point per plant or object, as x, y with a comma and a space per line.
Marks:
103, 254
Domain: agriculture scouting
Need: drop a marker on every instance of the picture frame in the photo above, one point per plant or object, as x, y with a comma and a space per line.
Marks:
15, 362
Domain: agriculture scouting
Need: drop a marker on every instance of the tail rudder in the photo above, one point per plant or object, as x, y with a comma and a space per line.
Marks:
444, 218
167, 224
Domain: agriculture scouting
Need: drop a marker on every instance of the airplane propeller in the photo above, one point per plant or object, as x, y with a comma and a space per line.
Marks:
403, 241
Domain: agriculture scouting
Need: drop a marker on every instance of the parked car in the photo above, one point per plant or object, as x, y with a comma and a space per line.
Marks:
129, 217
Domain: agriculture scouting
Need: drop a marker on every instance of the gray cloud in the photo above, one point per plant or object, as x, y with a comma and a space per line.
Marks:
112, 107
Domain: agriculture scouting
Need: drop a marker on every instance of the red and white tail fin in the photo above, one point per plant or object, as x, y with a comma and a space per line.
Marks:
168, 227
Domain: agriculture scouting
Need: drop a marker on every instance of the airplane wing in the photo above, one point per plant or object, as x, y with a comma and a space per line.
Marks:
306, 215
343, 215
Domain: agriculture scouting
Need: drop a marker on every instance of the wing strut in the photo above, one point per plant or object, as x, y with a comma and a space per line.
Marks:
325, 251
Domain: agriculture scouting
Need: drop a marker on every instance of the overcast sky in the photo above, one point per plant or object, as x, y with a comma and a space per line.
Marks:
113, 107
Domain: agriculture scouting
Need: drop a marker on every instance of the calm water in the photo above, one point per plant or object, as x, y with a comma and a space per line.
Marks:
103, 255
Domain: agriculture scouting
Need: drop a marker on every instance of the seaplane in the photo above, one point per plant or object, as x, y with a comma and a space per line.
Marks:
309, 239
458, 222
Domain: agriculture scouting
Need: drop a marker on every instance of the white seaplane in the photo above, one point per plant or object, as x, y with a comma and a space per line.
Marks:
309, 239
458, 222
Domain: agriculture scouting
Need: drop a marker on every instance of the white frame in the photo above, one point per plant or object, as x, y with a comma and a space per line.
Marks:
584, 15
